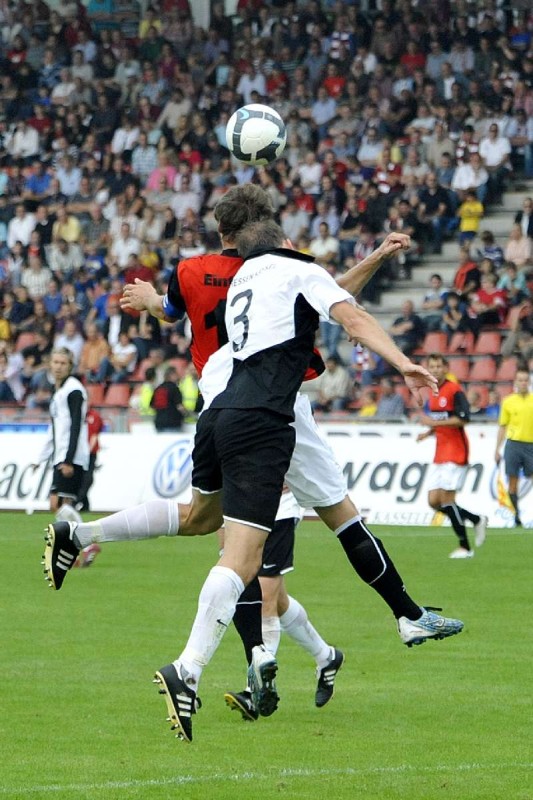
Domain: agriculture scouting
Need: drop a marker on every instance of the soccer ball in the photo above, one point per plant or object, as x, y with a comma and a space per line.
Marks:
256, 134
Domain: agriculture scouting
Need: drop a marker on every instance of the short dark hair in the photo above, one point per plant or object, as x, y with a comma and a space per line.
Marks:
259, 235
241, 205
439, 357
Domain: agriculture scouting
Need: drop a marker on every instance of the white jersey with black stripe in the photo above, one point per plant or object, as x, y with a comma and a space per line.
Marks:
68, 438
272, 312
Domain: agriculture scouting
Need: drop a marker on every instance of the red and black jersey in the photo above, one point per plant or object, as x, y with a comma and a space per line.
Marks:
451, 443
198, 287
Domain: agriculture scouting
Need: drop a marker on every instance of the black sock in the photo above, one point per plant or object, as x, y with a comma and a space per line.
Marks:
454, 515
371, 561
514, 501
473, 518
247, 617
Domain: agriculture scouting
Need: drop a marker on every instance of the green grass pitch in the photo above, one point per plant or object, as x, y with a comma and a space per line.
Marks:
80, 717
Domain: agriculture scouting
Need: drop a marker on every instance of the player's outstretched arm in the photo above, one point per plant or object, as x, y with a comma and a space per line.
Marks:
142, 296
358, 276
362, 327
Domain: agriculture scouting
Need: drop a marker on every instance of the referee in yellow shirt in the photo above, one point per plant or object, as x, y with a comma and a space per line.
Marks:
516, 425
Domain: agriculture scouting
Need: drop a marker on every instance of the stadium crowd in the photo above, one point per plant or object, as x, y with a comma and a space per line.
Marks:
400, 117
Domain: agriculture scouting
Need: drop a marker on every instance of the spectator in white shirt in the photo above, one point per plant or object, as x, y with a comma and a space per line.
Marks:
325, 247
35, 278
61, 93
323, 111
175, 108
309, 173
125, 138
251, 81
24, 143
69, 176
471, 175
495, 151
71, 338
124, 246
20, 227
183, 199
294, 221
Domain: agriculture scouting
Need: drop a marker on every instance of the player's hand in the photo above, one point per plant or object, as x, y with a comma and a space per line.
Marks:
417, 377
422, 436
67, 470
137, 295
497, 457
393, 243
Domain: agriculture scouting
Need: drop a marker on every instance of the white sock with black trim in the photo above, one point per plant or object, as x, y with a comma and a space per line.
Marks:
145, 521
296, 624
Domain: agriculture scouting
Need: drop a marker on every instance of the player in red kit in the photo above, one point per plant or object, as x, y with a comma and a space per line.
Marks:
449, 413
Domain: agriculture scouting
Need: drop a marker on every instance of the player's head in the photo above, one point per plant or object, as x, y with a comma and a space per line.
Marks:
521, 381
438, 366
240, 205
264, 235
61, 363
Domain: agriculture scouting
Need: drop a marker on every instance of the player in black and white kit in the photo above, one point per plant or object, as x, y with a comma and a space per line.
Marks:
272, 313
67, 441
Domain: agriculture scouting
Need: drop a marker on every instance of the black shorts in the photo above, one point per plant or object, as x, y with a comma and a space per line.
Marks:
67, 487
278, 553
245, 453
518, 455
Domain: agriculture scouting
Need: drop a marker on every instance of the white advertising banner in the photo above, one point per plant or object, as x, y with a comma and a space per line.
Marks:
386, 472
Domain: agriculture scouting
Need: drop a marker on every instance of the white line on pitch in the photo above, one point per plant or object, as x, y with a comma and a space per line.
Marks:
183, 780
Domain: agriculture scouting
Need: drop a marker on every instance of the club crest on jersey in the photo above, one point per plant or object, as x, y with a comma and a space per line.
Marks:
442, 402
172, 473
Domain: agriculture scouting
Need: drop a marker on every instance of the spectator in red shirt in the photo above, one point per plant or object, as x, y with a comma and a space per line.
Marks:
333, 82
489, 304
413, 58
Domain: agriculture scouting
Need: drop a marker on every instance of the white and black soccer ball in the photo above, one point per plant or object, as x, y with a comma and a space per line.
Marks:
256, 134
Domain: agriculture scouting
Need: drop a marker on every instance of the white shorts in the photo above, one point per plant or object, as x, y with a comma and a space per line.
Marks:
448, 476
314, 477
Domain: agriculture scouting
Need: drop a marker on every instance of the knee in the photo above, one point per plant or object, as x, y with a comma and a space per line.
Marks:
434, 502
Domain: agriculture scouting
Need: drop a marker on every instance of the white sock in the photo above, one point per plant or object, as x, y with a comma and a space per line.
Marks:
271, 627
154, 518
295, 623
216, 607
68, 513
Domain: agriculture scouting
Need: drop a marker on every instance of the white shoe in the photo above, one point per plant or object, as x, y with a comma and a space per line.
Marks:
462, 552
68, 514
480, 530
429, 626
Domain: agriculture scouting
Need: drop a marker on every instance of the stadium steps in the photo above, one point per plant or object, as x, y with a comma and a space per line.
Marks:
498, 220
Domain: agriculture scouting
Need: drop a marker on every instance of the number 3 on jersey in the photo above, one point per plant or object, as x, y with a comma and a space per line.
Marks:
242, 318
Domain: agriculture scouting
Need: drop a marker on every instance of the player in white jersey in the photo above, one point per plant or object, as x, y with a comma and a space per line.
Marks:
364, 551
67, 441
248, 426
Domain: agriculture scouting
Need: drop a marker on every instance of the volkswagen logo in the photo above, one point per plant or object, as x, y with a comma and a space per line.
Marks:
172, 473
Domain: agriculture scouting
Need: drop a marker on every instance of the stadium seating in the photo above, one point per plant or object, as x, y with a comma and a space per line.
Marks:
461, 342
460, 367
484, 369
435, 342
507, 369
483, 391
503, 389
95, 394
118, 394
488, 343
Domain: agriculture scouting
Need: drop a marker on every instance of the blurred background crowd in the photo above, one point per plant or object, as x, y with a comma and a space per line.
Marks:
401, 116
